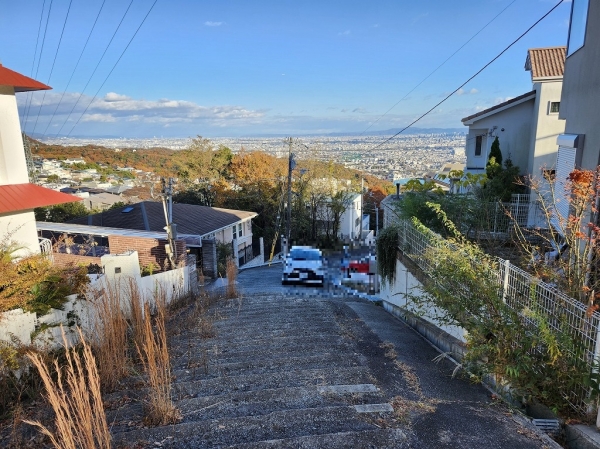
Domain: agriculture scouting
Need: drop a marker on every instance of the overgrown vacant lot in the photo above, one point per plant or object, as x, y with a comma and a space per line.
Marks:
305, 370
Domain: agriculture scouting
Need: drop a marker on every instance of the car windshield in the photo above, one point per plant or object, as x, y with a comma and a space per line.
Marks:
305, 254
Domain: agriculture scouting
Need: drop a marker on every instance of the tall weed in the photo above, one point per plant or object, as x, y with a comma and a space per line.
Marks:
75, 397
154, 355
109, 338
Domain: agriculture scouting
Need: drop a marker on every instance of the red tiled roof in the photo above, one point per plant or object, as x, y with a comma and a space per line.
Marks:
498, 106
546, 62
20, 197
21, 83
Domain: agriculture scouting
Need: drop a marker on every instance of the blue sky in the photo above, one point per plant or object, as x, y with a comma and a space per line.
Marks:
242, 67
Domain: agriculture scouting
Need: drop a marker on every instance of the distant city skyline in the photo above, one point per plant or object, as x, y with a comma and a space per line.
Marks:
229, 69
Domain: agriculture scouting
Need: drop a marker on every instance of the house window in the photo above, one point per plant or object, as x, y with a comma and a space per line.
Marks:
579, 13
234, 232
240, 230
554, 107
478, 144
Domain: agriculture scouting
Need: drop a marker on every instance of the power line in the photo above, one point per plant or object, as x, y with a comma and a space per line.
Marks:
438, 67
37, 41
471, 78
39, 60
96, 68
114, 66
53, 63
75, 69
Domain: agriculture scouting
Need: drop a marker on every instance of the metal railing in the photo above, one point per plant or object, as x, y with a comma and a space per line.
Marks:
46, 248
521, 292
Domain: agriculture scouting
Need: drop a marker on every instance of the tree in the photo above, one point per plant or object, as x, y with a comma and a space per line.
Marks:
495, 152
339, 204
200, 194
565, 250
502, 182
117, 205
53, 178
61, 212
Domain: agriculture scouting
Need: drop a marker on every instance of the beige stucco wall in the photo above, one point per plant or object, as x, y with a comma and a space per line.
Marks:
514, 140
13, 168
20, 228
581, 90
549, 126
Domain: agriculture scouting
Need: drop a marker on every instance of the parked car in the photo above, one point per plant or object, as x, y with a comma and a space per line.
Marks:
303, 264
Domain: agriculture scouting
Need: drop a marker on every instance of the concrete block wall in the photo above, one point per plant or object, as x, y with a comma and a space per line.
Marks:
63, 260
149, 250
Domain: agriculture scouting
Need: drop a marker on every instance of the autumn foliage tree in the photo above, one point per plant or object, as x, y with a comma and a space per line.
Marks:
567, 252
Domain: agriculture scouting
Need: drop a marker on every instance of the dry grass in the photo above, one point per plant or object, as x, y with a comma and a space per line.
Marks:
232, 272
75, 397
404, 408
110, 337
136, 313
411, 377
154, 355
390, 350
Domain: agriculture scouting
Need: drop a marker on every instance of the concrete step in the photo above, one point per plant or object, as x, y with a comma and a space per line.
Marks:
245, 333
253, 403
251, 364
290, 378
262, 402
380, 439
220, 351
280, 425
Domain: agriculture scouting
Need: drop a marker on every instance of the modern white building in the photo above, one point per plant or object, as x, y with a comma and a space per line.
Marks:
351, 221
526, 126
18, 197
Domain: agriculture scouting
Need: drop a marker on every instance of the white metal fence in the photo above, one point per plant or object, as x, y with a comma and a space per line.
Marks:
522, 291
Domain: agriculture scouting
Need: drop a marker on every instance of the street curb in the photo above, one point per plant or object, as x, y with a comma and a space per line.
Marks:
582, 437
274, 262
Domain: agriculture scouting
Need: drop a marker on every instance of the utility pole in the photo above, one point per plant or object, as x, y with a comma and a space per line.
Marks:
291, 165
171, 228
376, 220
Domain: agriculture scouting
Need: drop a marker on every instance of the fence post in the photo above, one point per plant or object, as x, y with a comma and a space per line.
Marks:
506, 264
596, 360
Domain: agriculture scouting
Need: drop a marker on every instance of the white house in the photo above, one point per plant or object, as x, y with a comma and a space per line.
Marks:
18, 197
351, 220
527, 125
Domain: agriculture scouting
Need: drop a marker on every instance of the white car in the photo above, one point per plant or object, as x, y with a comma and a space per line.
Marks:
304, 264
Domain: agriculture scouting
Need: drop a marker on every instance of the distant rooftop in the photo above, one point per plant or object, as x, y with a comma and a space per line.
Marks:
546, 63
513, 101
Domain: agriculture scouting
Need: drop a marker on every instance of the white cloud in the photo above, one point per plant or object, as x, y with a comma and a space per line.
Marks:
344, 33
111, 96
499, 100
103, 118
115, 107
461, 91
213, 24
